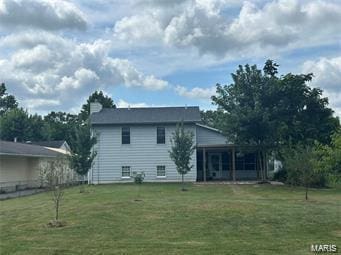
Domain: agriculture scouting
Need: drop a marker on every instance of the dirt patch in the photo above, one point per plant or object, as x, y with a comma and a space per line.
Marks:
56, 224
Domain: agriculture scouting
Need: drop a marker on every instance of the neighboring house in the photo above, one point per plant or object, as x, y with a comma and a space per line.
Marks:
19, 164
57, 144
138, 140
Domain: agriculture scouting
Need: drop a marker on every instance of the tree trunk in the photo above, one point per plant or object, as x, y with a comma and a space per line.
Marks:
306, 192
81, 187
260, 165
183, 183
57, 209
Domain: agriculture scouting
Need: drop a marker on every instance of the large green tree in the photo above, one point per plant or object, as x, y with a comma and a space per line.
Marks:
60, 125
98, 96
267, 110
302, 111
7, 102
247, 105
15, 123
213, 118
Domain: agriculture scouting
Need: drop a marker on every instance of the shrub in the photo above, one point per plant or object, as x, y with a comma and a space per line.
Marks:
138, 177
280, 175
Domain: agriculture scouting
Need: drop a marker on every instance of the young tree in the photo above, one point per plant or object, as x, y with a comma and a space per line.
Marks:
82, 152
182, 150
55, 176
300, 163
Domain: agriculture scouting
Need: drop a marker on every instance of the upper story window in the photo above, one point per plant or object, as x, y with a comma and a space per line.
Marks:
125, 135
161, 135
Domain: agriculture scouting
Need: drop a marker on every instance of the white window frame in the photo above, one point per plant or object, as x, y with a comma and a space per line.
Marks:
124, 176
157, 171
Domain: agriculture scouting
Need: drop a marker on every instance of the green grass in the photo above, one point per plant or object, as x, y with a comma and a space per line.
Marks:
207, 219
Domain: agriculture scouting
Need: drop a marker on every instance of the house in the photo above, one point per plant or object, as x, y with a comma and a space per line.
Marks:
138, 140
19, 164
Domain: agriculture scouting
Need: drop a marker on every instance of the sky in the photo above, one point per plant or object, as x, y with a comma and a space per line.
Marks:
54, 54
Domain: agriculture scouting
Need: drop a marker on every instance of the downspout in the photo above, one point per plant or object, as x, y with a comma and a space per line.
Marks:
98, 161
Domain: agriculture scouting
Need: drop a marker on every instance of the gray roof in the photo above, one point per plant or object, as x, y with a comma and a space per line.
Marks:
146, 115
52, 144
28, 150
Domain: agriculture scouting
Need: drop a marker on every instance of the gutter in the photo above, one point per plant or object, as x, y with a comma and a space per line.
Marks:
27, 155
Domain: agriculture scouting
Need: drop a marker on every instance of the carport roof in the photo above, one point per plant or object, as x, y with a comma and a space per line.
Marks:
27, 150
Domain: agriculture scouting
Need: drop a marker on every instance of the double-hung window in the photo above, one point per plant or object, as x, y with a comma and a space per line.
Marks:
160, 135
160, 171
125, 135
125, 171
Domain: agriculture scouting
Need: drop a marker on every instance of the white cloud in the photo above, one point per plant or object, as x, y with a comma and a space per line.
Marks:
44, 14
133, 78
124, 104
137, 27
42, 72
204, 25
196, 92
40, 103
327, 75
31, 38
327, 72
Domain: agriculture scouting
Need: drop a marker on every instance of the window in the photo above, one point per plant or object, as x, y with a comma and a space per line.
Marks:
160, 136
125, 135
246, 161
160, 171
126, 171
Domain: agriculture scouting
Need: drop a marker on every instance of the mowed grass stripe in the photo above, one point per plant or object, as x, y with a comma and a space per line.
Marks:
207, 219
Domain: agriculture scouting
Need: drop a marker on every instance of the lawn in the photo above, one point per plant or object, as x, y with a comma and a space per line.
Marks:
207, 219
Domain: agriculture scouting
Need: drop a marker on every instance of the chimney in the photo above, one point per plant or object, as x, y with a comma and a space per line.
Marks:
95, 107
15, 139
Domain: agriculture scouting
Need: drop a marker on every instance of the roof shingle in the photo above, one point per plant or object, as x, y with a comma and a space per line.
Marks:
146, 115
23, 149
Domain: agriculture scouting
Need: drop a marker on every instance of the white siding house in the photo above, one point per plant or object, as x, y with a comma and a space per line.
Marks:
138, 140
143, 154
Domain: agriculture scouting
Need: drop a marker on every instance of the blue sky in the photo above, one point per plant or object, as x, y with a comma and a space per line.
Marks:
54, 54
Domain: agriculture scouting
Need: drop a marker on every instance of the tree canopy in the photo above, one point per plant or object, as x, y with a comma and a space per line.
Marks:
7, 102
182, 150
98, 96
17, 123
82, 153
264, 109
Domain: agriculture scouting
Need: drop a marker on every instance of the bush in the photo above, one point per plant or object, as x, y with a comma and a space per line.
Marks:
138, 177
281, 175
